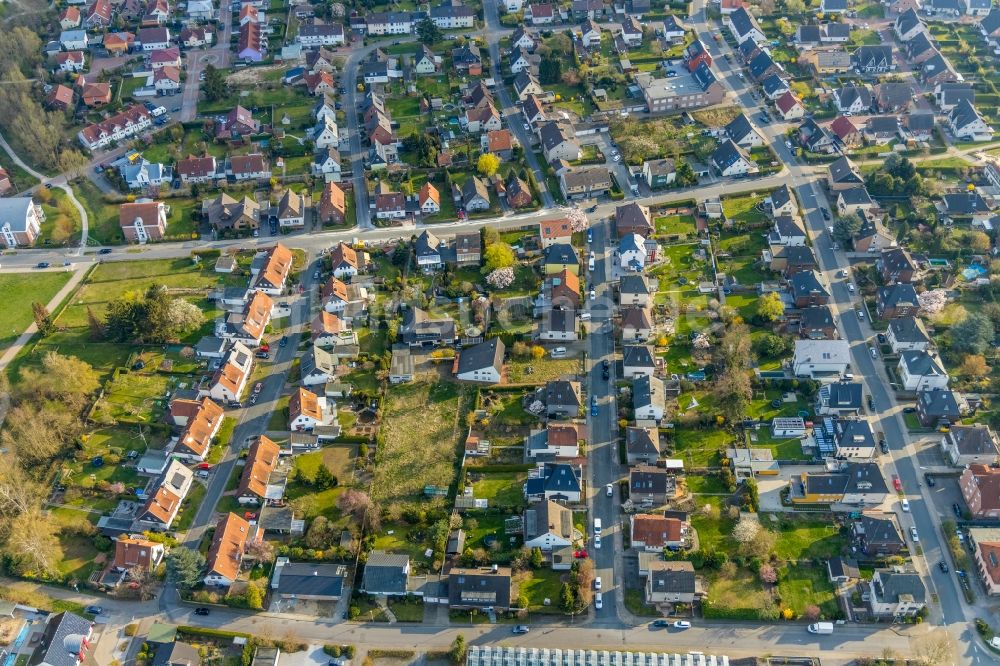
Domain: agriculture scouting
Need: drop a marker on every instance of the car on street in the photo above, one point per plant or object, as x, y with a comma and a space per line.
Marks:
943, 566
850, 287
610, 489
597, 583
873, 352
520, 629
605, 364
257, 387
593, 405
660, 623
593, 294
881, 338
597, 541
897, 484
904, 504
94, 610
930, 480
871, 401
262, 354
913, 534
253, 399
957, 510
605, 375
861, 314
201, 610
590, 235
316, 275
681, 624
909, 410
598, 601
283, 342
826, 216
204, 465
617, 158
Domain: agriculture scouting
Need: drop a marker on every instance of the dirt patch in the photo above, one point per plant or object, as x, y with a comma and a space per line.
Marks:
250, 76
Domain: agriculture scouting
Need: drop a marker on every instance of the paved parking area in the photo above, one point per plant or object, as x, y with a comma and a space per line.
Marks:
314, 656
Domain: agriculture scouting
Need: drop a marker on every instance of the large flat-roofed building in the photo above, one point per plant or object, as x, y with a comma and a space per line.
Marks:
681, 92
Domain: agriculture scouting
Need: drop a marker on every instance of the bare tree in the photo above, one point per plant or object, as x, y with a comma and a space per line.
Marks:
32, 543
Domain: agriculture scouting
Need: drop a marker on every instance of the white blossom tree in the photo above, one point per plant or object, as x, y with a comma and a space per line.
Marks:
577, 220
501, 278
933, 301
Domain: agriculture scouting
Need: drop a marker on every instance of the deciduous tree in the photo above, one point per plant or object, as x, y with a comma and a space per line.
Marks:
488, 164
498, 255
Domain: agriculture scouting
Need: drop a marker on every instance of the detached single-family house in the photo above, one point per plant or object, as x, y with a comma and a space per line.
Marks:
969, 445
919, 371
481, 363
548, 525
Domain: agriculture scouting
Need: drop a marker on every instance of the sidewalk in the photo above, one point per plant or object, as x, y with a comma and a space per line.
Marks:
25, 337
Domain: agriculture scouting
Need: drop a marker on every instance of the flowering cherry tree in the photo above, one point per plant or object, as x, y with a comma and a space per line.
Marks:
577, 220
501, 278
933, 301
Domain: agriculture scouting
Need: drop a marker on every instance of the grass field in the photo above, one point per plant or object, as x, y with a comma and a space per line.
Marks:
539, 585
542, 370
805, 539
740, 593
804, 585
420, 435
502, 489
18, 291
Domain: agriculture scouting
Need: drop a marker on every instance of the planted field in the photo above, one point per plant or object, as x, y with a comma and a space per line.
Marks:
419, 441
18, 291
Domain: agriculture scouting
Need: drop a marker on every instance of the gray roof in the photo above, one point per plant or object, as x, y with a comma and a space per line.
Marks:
843, 171
760, 63
427, 245
647, 391
672, 578
903, 584
523, 79
773, 83
922, 364
640, 441
851, 93
637, 356
555, 478
934, 65
479, 587
855, 196
973, 440
661, 167
309, 578
873, 56
177, 654
907, 21
548, 517
418, 323
908, 329
52, 650
739, 128
855, 433
939, 403
842, 395
840, 567
386, 572
634, 284
897, 259
562, 392
645, 479
991, 23
552, 134
474, 188
401, 364
704, 76
815, 317
728, 154
632, 216
877, 530
14, 211
788, 226
806, 283
887, 125
484, 355
561, 253
919, 121
743, 22
919, 44
864, 476
897, 295
781, 196
893, 94
451, 11
964, 114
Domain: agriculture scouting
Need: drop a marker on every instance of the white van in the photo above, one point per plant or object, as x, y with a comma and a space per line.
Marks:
597, 525
558, 352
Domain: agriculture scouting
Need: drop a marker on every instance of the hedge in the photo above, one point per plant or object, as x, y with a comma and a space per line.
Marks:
391, 654
211, 633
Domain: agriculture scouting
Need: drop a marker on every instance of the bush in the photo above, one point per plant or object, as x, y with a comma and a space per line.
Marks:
378, 653
331, 650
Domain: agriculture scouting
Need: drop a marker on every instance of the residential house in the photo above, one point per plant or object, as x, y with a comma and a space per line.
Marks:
967, 124
479, 588
696, 53
526, 84
273, 272
633, 218
590, 33
199, 432
898, 300
821, 358
326, 163
344, 261
743, 26
481, 363
427, 249
468, 249
231, 377
312, 35
730, 159
659, 173
787, 231
857, 483
248, 167
896, 266
654, 533
225, 554
453, 15
249, 325
474, 195
648, 398
789, 107
841, 398
854, 439
193, 169
682, 92
671, 582
332, 205
63, 641
518, 193
558, 142
873, 59
429, 199
555, 231
549, 526
642, 446
119, 127
842, 174
554, 481
328, 330
225, 213
636, 323
306, 410
985, 543
162, 504
562, 398
741, 132
896, 594
635, 289
651, 486
781, 202
74, 40
386, 574
254, 487
420, 329
872, 236
20, 221
70, 61
133, 552
919, 371
816, 323
966, 445
774, 87
585, 182
893, 97
980, 486
853, 98
907, 333
939, 407
908, 25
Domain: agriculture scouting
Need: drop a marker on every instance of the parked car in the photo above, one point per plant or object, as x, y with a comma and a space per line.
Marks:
201, 610
520, 629
897, 484
262, 354
957, 509
681, 624
598, 601
904, 504
913, 534
257, 387
94, 610
943, 566
610, 490
930, 480
597, 541
42, 264
597, 583
660, 623
283, 342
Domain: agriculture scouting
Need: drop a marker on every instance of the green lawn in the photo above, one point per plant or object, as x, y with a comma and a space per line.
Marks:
802, 539
700, 448
136, 397
542, 370
542, 584
737, 595
801, 586
743, 209
675, 224
502, 489
62, 221
102, 215
190, 507
19, 291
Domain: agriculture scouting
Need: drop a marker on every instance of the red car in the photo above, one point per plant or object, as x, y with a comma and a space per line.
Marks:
265, 347
897, 484
204, 466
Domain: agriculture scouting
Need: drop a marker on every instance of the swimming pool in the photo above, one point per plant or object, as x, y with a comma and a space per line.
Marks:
15, 647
